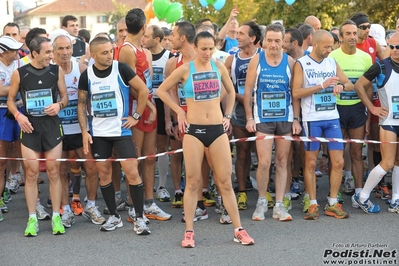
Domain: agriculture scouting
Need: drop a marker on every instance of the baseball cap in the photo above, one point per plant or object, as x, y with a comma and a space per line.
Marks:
8, 43
53, 35
377, 31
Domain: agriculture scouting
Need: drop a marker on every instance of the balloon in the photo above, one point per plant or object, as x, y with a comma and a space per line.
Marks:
149, 1
219, 4
276, 0
160, 7
149, 11
290, 2
211, 2
203, 3
174, 12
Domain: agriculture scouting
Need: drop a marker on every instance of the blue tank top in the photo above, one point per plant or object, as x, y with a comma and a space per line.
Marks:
272, 91
202, 86
239, 68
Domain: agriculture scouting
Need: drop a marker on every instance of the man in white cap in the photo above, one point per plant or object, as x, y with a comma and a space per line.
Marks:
9, 129
377, 31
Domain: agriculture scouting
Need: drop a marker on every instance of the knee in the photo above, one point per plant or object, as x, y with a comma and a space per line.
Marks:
311, 164
192, 183
338, 163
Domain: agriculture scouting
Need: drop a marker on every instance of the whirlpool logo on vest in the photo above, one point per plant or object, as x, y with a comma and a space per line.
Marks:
311, 74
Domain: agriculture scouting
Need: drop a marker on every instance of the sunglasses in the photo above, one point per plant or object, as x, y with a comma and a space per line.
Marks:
364, 27
394, 46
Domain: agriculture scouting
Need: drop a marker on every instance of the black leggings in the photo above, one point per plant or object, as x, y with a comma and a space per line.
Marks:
205, 133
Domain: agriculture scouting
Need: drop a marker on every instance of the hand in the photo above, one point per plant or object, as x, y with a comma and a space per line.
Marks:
296, 127
226, 123
52, 109
152, 116
130, 122
182, 120
251, 126
381, 112
87, 141
230, 130
367, 126
24, 124
330, 82
169, 128
234, 13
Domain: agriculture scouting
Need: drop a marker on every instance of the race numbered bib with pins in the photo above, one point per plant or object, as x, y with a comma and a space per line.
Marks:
273, 104
37, 100
182, 95
241, 86
206, 86
147, 76
69, 115
157, 78
104, 104
395, 107
349, 95
324, 100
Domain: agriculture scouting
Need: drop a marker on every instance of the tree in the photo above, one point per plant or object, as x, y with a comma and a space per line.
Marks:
115, 16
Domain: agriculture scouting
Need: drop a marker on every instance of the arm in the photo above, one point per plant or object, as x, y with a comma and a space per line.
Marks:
296, 105
139, 88
382, 52
223, 31
363, 87
53, 109
169, 67
127, 55
82, 118
249, 86
344, 80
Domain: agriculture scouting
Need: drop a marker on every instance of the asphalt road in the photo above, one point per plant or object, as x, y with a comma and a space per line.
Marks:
298, 242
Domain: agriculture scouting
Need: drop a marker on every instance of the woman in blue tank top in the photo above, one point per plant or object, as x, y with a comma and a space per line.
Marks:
204, 126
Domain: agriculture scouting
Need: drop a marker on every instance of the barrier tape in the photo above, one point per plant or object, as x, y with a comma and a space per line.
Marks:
290, 138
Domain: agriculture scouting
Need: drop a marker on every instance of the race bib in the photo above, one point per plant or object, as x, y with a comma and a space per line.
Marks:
241, 86
349, 95
104, 104
182, 95
37, 100
324, 100
148, 82
395, 107
273, 104
206, 86
69, 115
157, 78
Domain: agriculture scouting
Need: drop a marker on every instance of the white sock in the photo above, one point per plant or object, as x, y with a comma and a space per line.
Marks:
33, 215
358, 190
332, 201
262, 200
395, 183
374, 178
90, 203
66, 208
313, 201
163, 165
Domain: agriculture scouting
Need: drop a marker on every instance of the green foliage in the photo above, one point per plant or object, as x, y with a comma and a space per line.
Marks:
330, 12
115, 16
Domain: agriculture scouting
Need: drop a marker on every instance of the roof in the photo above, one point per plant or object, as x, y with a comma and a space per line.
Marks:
80, 6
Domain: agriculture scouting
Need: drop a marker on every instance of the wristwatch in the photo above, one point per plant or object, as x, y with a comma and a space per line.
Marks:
228, 116
342, 84
297, 118
136, 116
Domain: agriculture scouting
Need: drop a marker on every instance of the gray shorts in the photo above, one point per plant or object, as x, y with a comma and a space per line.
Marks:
275, 128
238, 117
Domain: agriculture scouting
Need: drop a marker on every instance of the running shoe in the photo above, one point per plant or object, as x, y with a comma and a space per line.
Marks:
295, 187
214, 191
312, 213
6, 195
280, 213
394, 207
340, 198
305, 202
242, 200
225, 217
200, 214
3, 206
163, 195
140, 227
56, 224
208, 201
269, 199
32, 227
155, 213
178, 201
254, 159
382, 192
241, 236
287, 203
20, 179
188, 240
94, 215
41, 212
68, 219
12, 184
1, 216
259, 213
367, 206
77, 207
349, 186
335, 211
132, 217
318, 173
112, 223
219, 206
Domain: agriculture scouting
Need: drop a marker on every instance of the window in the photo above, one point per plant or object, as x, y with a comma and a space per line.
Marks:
43, 21
102, 19
82, 22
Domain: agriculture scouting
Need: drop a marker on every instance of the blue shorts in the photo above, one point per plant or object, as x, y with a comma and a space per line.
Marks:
9, 129
326, 128
394, 129
352, 116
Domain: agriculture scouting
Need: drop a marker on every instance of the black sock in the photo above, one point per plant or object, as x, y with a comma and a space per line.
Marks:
137, 194
76, 184
376, 157
200, 204
108, 192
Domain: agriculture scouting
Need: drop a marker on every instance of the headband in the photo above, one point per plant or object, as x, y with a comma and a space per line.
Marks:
360, 20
